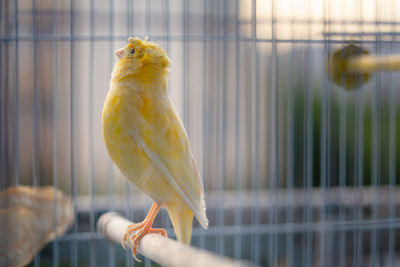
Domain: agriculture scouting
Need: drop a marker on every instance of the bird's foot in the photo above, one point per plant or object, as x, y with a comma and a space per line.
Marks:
141, 230
137, 237
129, 230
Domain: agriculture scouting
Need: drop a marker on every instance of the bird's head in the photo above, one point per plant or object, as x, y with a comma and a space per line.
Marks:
141, 59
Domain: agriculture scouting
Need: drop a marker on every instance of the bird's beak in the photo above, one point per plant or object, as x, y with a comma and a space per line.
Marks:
119, 53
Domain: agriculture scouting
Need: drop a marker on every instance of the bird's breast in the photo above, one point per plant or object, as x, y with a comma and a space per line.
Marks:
117, 134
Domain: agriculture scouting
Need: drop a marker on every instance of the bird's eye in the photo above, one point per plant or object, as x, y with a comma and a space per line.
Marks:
132, 51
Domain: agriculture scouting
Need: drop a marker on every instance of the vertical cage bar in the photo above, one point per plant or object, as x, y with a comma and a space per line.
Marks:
360, 174
290, 160
111, 176
166, 42
342, 164
222, 120
324, 138
16, 96
129, 11
166, 27
355, 234
360, 156
308, 141
35, 156
35, 167
91, 137
3, 112
218, 121
73, 134
375, 179
3, 183
55, 247
147, 262
202, 242
238, 180
252, 114
305, 234
392, 151
148, 17
185, 73
128, 187
255, 136
274, 137
342, 173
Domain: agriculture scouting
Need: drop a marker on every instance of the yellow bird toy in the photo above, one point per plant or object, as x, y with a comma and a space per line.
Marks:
147, 141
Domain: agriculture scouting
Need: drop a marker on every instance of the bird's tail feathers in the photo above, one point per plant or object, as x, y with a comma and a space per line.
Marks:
201, 215
182, 219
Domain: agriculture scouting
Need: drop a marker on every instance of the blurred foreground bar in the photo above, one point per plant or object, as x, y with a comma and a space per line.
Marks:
385, 198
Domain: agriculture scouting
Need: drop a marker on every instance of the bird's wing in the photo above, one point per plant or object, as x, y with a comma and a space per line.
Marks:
158, 130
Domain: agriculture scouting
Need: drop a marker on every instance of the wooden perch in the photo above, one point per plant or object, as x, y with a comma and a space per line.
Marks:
352, 66
369, 63
164, 251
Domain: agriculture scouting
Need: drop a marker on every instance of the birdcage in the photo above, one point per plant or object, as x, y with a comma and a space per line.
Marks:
299, 166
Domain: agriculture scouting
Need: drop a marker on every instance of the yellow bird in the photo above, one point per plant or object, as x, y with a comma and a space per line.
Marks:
147, 141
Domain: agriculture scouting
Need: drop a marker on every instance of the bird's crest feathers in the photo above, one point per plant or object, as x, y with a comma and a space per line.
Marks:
141, 59
150, 52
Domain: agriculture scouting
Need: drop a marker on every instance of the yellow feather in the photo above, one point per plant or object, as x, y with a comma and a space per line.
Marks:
146, 138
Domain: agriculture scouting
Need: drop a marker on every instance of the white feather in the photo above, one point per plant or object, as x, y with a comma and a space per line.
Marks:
196, 205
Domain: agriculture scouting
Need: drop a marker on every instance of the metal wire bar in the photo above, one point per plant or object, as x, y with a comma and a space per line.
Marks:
35, 139
308, 142
204, 106
147, 261
73, 133
166, 44
374, 34
324, 140
358, 148
111, 176
185, 57
343, 173
238, 169
56, 247
221, 121
290, 148
229, 230
360, 173
148, 17
90, 140
360, 140
392, 155
255, 135
274, 133
128, 187
2, 121
375, 151
16, 97
177, 37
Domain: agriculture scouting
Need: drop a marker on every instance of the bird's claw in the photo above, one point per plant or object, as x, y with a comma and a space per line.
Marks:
159, 231
129, 230
141, 231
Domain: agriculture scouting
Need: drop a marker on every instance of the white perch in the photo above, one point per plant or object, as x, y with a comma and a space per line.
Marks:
370, 63
164, 251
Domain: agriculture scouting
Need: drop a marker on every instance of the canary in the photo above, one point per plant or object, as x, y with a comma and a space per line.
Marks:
147, 141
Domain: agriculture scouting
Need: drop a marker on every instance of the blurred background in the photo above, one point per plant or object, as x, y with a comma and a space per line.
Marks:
297, 170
